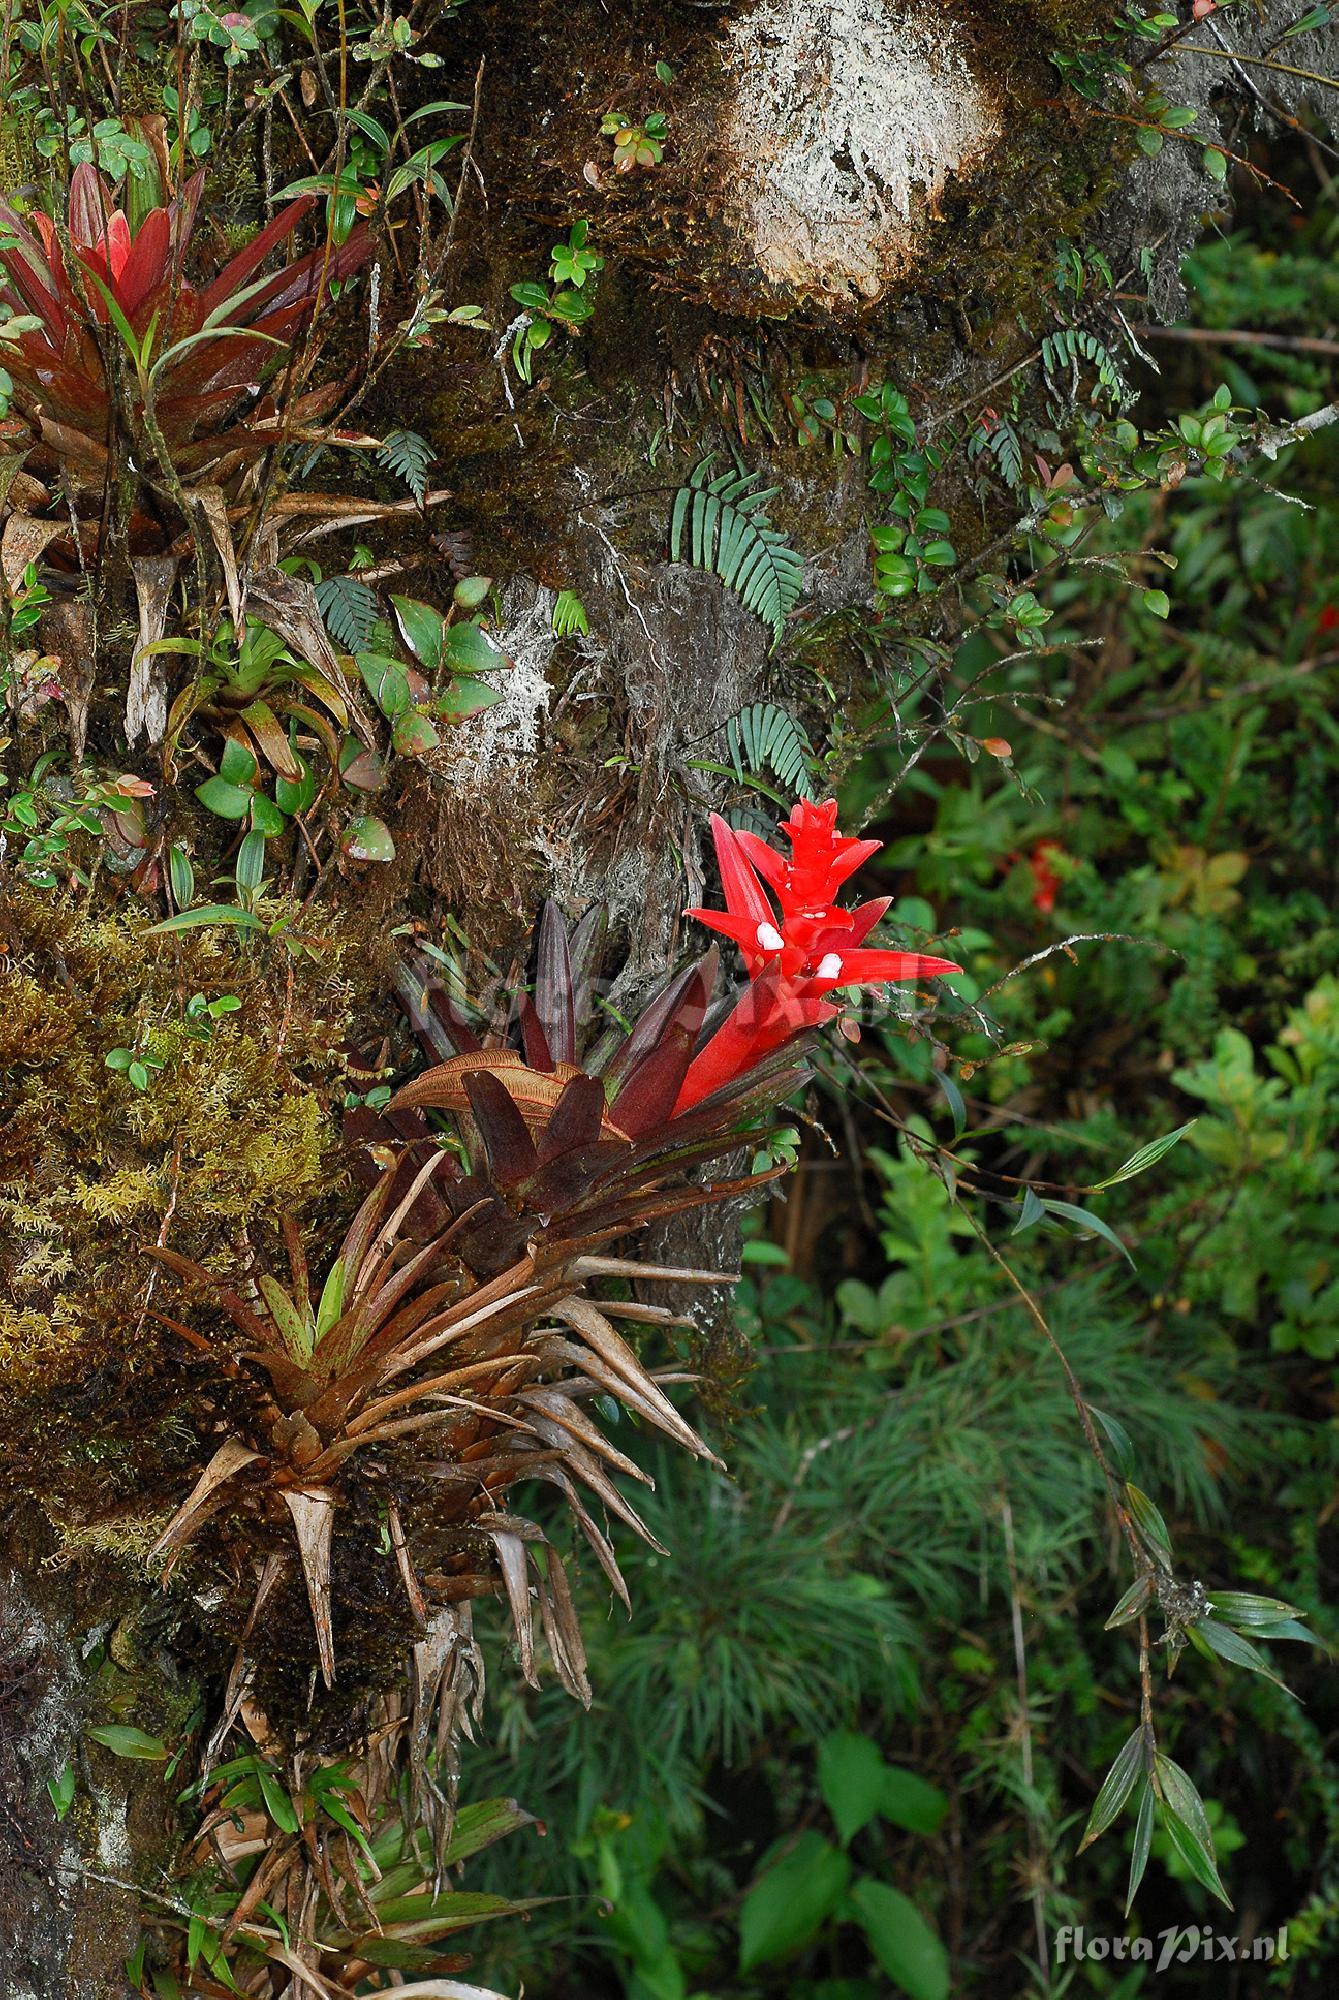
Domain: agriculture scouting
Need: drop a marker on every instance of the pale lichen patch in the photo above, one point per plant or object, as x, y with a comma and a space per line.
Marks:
847, 120
499, 740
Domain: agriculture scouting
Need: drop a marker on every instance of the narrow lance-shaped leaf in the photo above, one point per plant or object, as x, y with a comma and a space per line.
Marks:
1116, 1787
1239, 1607
1287, 1628
208, 913
1132, 1603
1121, 1445
1087, 1224
332, 1299
293, 1324
123, 1741
1195, 1854
1030, 1212
1209, 1637
1143, 1840
1187, 1824
278, 1804
1146, 1156
1149, 1521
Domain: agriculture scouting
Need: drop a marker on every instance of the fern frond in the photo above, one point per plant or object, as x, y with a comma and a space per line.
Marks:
765, 737
569, 615
729, 534
1069, 350
1004, 445
408, 456
349, 608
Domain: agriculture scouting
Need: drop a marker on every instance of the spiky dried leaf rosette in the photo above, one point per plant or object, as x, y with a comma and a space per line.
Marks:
459, 1340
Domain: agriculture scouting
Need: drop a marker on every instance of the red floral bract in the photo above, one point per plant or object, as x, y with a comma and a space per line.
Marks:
797, 951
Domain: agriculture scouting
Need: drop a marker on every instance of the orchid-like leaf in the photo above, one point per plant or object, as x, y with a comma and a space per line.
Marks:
332, 1299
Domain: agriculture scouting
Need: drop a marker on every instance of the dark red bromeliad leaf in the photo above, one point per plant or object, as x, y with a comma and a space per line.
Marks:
204, 368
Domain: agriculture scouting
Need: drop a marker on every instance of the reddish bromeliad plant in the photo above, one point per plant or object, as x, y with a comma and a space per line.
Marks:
113, 323
457, 1343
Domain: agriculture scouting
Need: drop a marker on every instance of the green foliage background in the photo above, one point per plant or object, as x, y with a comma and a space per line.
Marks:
908, 1564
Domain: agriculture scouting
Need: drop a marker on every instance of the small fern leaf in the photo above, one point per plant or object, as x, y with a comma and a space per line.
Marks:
569, 615
750, 819
1007, 452
408, 456
732, 744
706, 516
1068, 348
729, 534
683, 500
764, 737
349, 608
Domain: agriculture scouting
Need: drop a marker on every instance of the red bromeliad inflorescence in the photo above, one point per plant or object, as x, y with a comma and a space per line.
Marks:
582, 1123
797, 949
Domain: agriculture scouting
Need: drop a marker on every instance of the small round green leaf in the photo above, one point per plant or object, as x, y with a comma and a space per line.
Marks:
368, 839
227, 801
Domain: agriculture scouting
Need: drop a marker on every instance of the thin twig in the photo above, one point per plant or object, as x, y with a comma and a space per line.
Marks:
1275, 110
1258, 62
1267, 685
1025, 1746
1274, 438
996, 382
807, 1458
1079, 937
1115, 1488
1075, 1387
168, 1213
1235, 336
1194, 139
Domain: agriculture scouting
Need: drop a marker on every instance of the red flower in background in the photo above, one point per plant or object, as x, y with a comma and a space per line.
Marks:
798, 949
1045, 881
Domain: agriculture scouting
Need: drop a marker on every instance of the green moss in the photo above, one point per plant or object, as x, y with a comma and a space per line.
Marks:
230, 1127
